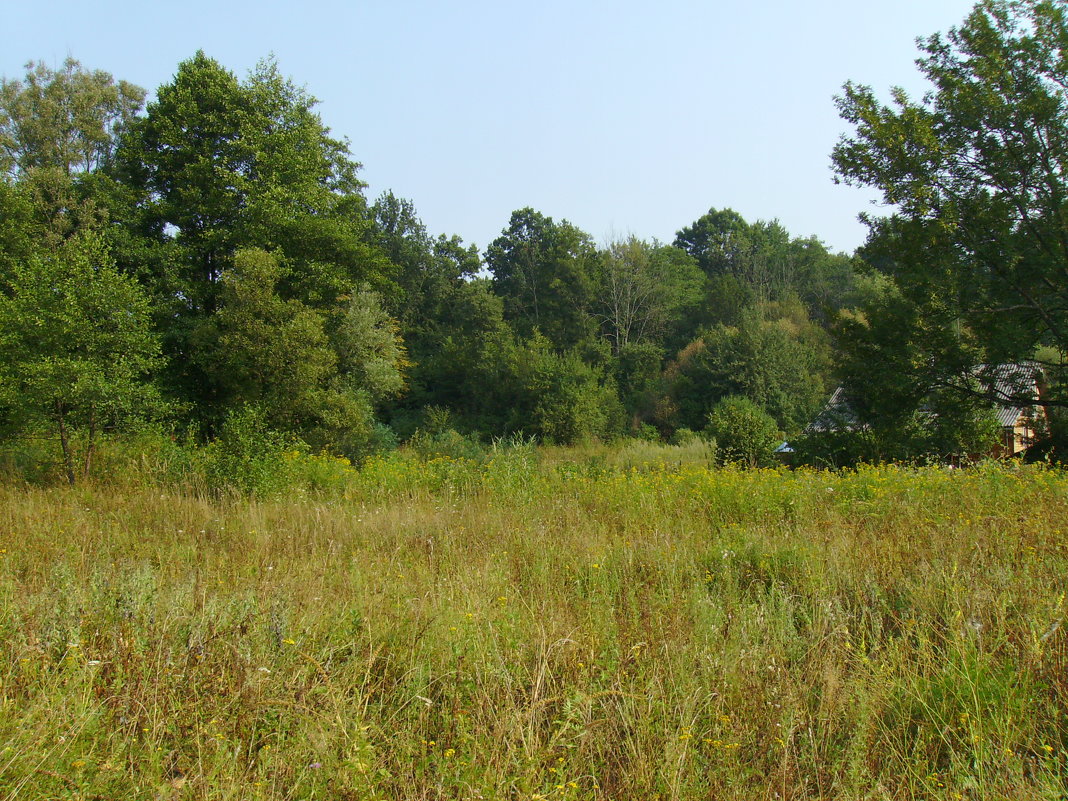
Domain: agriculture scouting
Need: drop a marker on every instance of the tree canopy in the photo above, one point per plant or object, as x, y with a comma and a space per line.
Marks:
977, 243
76, 349
268, 297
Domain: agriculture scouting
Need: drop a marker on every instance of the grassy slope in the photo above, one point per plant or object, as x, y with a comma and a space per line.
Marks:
523, 631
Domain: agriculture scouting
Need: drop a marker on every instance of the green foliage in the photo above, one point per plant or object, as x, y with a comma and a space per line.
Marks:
258, 348
956, 426
945, 430
277, 354
973, 169
760, 262
529, 387
76, 349
371, 354
1051, 441
780, 364
718, 241
451, 363
683, 436
568, 400
56, 127
743, 432
18, 230
217, 166
249, 456
272, 283
447, 444
838, 448
639, 378
900, 394
430, 271
546, 273
66, 119
646, 432
263, 172
644, 290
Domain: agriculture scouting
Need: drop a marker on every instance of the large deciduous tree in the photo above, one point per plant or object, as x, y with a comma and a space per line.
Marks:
644, 289
975, 171
546, 273
56, 127
775, 357
218, 166
66, 119
224, 164
308, 372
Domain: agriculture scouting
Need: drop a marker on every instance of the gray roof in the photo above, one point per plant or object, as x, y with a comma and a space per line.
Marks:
836, 415
1011, 383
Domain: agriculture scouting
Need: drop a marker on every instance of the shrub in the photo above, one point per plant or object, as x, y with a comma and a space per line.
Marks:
248, 456
450, 444
743, 431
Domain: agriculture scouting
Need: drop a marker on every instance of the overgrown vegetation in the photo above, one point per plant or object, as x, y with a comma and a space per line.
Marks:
296, 501
232, 223
559, 625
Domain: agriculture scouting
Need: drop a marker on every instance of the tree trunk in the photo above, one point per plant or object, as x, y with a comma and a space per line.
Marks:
64, 441
90, 442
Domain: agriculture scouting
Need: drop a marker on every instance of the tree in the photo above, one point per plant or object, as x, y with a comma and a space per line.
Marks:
643, 289
975, 170
545, 271
529, 386
57, 127
444, 311
723, 243
312, 374
430, 272
755, 263
221, 165
67, 119
718, 240
371, 353
898, 393
455, 356
774, 357
76, 348
261, 349
217, 166
19, 232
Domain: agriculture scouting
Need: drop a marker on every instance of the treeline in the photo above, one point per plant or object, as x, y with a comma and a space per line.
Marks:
213, 254
211, 261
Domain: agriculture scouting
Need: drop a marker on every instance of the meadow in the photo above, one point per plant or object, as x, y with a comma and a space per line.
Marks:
537, 624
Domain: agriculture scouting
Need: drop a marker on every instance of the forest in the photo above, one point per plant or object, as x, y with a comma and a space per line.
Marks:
208, 264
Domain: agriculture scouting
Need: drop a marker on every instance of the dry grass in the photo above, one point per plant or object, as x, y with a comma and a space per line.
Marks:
516, 631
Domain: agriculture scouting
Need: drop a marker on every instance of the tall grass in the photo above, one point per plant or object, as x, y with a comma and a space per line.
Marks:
524, 628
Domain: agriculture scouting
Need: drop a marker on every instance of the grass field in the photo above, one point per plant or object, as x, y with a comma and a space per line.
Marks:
541, 625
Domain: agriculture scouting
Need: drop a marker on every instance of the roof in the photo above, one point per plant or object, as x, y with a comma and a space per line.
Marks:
1010, 383
836, 415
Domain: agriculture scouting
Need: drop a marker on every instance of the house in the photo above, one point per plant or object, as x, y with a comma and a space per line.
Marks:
1011, 385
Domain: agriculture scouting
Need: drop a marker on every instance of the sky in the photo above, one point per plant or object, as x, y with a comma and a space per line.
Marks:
626, 117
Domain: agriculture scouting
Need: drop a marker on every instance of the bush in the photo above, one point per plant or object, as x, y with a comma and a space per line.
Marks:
684, 436
647, 432
743, 431
248, 456
449, 444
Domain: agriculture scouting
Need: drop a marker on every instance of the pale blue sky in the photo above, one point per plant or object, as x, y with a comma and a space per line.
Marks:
623, 117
